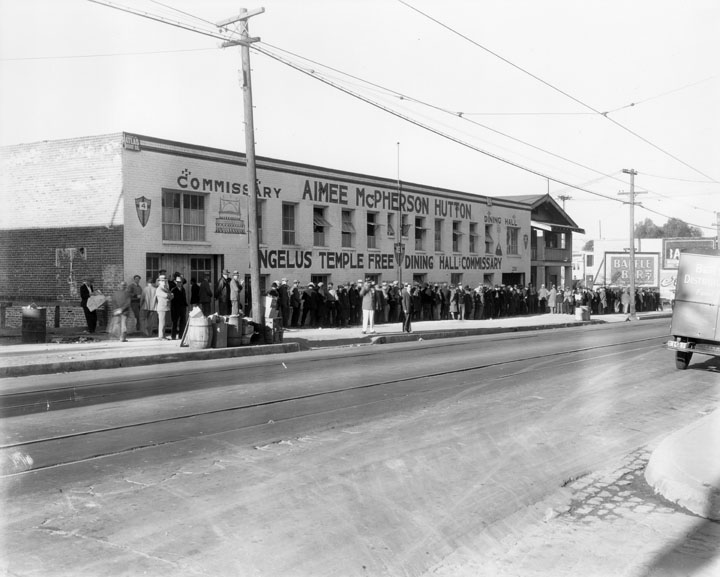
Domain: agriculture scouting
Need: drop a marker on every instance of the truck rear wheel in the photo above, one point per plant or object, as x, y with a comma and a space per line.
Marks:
682, 360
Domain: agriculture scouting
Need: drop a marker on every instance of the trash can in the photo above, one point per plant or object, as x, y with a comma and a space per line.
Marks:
33, 324
582, 314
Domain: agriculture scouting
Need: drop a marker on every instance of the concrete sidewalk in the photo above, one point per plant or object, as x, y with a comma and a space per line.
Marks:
72, 349
682, 468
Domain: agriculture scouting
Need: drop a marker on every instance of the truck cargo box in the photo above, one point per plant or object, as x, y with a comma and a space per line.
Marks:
696, 314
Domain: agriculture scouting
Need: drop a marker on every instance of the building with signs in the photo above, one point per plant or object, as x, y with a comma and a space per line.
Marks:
109, 207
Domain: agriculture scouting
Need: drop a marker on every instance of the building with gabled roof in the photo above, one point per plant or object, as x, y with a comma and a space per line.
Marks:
550, 240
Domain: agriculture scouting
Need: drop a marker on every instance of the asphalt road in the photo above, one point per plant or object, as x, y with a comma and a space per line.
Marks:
424, 458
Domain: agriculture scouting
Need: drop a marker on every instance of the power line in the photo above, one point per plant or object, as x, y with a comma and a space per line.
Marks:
555, 88
104, 55
460, 115
450, 112
358, 96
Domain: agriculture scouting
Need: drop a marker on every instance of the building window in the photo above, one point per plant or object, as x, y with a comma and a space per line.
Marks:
391, 225
419, 278
457, 235
348, 230
152, 267
201, 267
489, 242
512, 240
473, 237
288, 223
456, 278
438, 234
371, 228
405, 225
316, 279
260, 217
589, 260
419, 233
183, 216
320, 226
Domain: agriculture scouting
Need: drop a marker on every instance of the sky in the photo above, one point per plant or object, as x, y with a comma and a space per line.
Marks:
489, 97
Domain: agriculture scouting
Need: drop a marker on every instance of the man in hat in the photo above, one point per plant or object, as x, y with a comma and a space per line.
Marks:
178, 308
86, 291
147, 307
309, 305
135, 291
406, 305
222, 294
205, 293
295, 303
237, 294
162, 303
284, 302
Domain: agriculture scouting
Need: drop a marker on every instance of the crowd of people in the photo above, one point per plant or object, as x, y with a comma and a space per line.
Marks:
344, 304
362, 303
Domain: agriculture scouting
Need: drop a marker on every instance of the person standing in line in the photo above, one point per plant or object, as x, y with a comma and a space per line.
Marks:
121, 301
148, 316
135, 291
178, 308
162, 304
237, 295
406, 304
367, 294
222, 294
205, 294
194, 293
542, 299
309, 305
284, 302
552, 299
295, 303
86, 291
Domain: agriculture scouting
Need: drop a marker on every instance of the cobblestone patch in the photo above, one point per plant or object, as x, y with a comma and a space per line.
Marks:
619, 492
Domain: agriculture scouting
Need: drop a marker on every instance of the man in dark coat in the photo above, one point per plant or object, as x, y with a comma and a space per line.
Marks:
222, 294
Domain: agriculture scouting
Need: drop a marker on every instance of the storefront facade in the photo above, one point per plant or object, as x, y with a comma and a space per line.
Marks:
184, 208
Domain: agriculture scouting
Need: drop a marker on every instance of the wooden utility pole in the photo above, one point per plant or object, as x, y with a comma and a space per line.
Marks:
632, 194
253, 240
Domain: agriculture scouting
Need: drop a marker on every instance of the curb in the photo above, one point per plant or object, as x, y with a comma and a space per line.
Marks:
142, 360
683, 468
291, 345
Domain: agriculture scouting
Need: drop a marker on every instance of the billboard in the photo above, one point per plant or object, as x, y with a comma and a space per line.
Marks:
647, 269
672, 247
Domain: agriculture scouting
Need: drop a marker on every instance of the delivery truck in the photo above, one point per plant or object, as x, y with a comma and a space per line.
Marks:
695, 324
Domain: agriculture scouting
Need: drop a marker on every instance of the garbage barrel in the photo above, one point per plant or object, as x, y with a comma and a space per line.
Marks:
582, 313
33, 324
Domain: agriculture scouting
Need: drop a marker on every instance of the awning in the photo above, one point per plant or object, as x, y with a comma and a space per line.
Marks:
552, 227
319, 220
541, 225
348, 227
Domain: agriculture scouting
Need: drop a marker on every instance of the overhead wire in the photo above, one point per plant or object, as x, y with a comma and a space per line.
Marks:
269, 54
406, 97
559, 90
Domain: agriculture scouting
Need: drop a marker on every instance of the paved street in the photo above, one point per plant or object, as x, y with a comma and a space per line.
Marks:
516, 454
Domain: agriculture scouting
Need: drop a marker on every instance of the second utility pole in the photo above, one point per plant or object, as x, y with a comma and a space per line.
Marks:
632, 174
253, 240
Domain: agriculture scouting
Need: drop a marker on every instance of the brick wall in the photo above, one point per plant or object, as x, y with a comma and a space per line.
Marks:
49, 265
66, 315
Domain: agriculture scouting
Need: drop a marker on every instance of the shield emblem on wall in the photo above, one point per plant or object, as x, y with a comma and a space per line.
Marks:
142, 207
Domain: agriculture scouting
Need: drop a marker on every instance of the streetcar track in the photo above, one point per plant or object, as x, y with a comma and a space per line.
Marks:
308, 396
